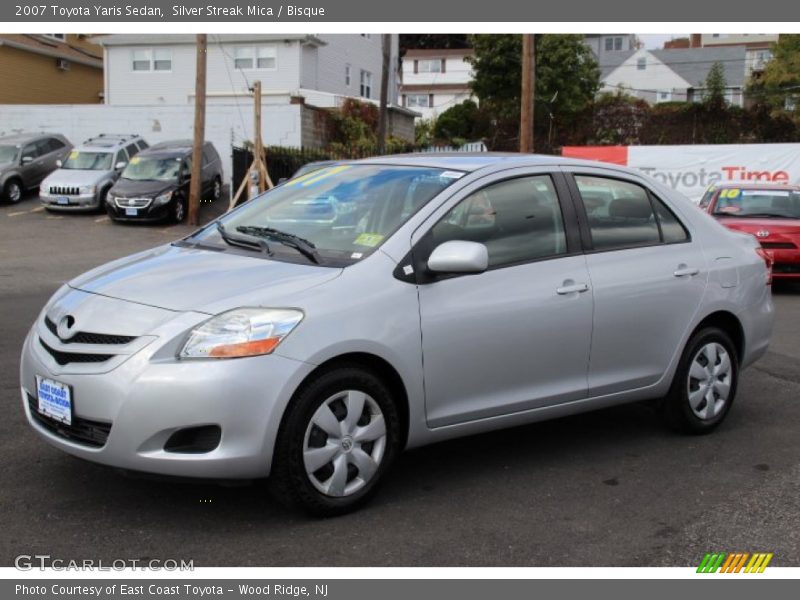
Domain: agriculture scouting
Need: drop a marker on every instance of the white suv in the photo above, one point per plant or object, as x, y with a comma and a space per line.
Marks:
85, 176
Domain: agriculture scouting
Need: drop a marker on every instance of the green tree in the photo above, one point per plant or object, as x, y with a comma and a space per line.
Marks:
567, 79
715, 86
433, 40
458, 124
780, 81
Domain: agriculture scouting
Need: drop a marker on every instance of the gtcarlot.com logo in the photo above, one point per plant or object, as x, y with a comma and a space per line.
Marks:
734, 562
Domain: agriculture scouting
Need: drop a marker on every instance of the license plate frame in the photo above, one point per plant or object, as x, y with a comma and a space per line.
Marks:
131, 212
54, 400
62, 200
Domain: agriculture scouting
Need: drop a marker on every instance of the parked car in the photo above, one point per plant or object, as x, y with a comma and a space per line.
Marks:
470, 293
26, 159
769, 212
84, 178
155, 184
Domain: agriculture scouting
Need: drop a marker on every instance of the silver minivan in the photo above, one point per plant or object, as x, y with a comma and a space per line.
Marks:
440, 296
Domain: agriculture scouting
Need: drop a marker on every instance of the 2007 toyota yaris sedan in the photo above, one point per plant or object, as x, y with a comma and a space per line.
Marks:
314, 332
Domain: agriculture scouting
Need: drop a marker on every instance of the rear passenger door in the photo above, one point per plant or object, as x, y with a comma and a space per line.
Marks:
648, 276
515, 337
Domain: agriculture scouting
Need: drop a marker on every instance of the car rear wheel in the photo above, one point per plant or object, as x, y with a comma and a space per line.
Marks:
216, 189
12, 191
340, 435
704, 386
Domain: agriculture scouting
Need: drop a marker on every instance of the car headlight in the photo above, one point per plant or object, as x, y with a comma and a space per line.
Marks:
163, 198
87, 189
241, 332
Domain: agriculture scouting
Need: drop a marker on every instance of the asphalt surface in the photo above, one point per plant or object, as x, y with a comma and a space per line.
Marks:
610, 488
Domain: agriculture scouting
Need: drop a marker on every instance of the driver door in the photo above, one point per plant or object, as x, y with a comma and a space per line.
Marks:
515, 337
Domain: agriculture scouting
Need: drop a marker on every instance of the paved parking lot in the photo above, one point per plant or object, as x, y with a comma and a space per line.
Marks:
611, 488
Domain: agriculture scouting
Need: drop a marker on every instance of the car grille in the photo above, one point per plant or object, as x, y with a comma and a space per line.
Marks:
132, 202
786, 268
778, 245
87, 337
61, 190
82, 431
65, 358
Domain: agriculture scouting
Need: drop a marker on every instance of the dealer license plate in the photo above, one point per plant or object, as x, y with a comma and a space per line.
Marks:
131, 212
62, 200
55, 399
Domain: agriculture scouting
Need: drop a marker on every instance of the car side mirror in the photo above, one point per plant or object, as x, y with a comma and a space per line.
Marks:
459, 257
121, 165
26, 160
59, 163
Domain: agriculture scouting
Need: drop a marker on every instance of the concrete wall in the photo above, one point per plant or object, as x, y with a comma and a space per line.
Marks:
226, 124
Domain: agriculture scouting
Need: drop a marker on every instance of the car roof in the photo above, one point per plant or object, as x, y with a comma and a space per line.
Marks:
21, 138
172, 149
108, 142
469, 161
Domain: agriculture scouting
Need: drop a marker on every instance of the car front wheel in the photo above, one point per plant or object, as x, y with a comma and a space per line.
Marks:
704, 386
12, 191
178, 210
340, 435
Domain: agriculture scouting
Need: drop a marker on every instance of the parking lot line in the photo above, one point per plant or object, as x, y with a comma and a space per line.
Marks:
102, 219
18, 213
52, 217
37, 209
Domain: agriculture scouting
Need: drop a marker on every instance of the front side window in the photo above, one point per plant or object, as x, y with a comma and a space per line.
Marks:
345, 211
518, 220
623, 215
31, 150
88, 161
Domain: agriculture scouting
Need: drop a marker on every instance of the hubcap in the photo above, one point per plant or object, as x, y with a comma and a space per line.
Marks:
344, 443
709, 382
217, 190
179, 211
14, 192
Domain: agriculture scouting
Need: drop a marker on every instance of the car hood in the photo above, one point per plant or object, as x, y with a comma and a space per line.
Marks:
190, 279
129, 188
755, 225
73, 177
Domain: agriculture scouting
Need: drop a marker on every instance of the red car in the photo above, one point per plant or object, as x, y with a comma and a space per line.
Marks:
769, 212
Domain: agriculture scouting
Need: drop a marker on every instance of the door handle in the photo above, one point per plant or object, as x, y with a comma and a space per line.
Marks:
572, 288
684, 271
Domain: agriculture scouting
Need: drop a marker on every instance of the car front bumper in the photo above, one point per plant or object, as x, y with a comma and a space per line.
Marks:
150, 213
148, 397
786, 263
82, 202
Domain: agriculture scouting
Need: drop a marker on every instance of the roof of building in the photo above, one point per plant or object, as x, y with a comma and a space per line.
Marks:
691, 64
437, 52
47, 46
168, 39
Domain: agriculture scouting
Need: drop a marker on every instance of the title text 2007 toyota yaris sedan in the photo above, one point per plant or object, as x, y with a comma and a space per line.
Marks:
316, 331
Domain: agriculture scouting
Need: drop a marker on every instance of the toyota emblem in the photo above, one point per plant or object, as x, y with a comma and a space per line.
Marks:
64, 328
762, 234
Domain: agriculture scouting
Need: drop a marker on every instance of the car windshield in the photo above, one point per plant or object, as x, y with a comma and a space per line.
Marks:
143, 168
89, 161
735, 202
341, 213
8, 153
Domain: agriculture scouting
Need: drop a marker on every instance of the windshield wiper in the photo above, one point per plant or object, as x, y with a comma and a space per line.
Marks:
241, 242
303, 246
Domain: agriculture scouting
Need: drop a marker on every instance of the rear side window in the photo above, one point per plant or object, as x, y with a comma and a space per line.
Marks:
142, 144
518, 220
621, 214
54, 144
131, 149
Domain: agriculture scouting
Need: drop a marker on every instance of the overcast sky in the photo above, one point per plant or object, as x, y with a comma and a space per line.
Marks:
653, 41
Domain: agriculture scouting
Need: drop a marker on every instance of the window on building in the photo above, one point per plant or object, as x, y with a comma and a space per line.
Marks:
435, 65
367, 35
641, 63
664, 96
366, 84
347, 70
61, 37
266, 57
419, 100
243, 57
613, 44
151, 59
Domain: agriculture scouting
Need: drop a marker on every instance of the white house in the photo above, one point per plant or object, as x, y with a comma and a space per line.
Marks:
159, 69
675, 75
608, 44
435, 79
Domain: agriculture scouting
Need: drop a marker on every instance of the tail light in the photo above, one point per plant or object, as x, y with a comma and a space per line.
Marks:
768, 261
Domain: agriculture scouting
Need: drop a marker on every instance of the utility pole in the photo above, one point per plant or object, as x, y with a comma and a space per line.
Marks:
257, 178
195, 184
528, 87
383, 114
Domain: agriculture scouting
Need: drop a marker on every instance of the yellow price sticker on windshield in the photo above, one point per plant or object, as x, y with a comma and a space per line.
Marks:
730, 193
135, 160
368, 239
74, 154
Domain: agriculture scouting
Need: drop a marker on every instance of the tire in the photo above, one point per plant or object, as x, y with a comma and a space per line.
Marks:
705, 383
13, 191
216, 189
349, 454
178, 212
102, 197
